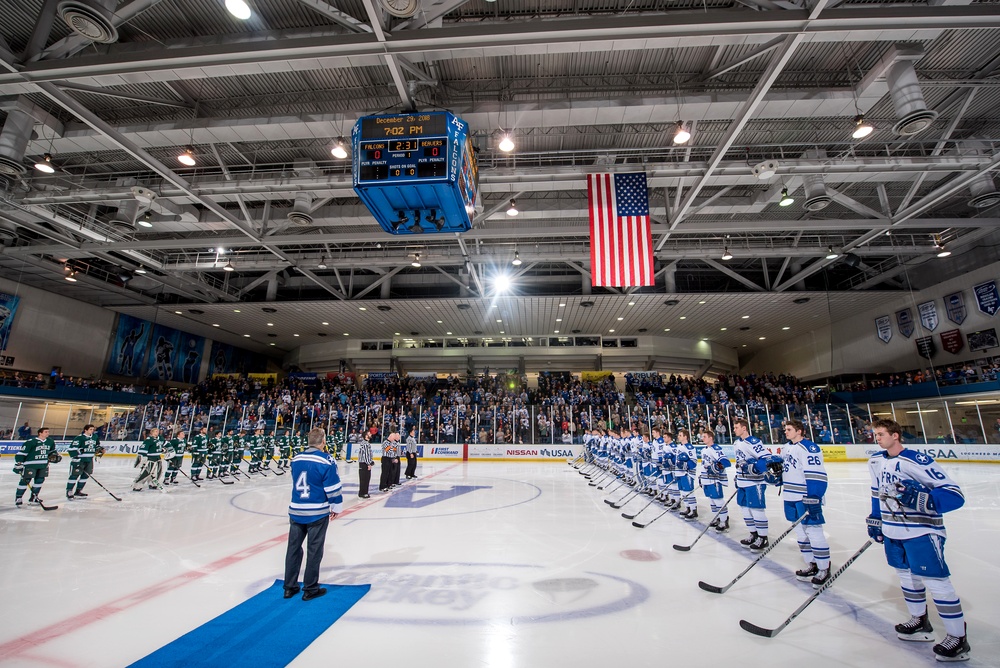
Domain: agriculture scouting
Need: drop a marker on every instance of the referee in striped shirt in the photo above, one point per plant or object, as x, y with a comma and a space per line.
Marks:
365, 464
390, 459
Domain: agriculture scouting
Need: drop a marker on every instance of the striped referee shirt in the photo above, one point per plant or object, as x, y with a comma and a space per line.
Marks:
365, 452
389, 448
411, 445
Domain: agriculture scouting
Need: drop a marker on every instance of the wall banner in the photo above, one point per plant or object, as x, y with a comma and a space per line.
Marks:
987, 297
8, 309
883, 327
174, 355
926, 347
129, 349
983, 339
954, 306
952, 341
928, 315
904, 320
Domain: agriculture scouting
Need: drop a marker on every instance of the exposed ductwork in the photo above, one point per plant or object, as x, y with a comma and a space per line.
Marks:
123, 220
300, 213
984, 191
908, 99
90, 19
816, 196
14, 141
8, 233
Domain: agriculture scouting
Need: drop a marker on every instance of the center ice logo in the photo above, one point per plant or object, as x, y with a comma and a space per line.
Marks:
443, 593
421, 496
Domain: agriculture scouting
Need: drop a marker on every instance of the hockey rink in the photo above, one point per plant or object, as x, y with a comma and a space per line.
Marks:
485, 564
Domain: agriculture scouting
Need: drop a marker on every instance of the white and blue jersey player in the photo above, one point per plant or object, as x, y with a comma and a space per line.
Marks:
910, 495
663, 456
685, 463
804, 481
714, 479
750, 484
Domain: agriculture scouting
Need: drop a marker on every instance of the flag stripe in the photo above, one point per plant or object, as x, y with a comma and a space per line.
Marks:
621, 252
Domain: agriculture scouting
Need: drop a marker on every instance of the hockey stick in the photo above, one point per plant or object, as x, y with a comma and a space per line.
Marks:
189, 478
600, 478
38, 501
249, 464
686, 548
651, 502
116, 498
633, 491
641, 482
770, 633
723, 590
639, 525
278, 470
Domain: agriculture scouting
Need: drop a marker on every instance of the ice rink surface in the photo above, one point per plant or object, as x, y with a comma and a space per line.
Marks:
493, 565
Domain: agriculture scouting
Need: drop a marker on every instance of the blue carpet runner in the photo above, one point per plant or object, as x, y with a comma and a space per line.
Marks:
263, 632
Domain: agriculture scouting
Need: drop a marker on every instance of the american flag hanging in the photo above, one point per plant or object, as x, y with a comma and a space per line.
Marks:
621, 243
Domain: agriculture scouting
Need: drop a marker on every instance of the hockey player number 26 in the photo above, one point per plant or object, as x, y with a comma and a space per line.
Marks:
302, 486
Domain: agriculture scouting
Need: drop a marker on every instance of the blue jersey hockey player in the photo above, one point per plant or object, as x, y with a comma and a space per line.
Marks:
910, 494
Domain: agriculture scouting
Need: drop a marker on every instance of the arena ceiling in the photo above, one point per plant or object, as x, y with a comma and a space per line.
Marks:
582, 85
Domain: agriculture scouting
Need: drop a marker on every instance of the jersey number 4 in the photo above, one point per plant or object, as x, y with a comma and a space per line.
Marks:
301, 486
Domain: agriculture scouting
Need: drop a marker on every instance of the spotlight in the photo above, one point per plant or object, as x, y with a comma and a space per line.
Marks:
322, 263
517, 259
501, 282
416, 260
45, 165
338, 150
71, 276
861, 128
786, 199
238, 8
433, 219
146, 220
229, 267
681, 135
401, 221
506, 144
187, 157
941, 250
726, 255
512, 211
831, 254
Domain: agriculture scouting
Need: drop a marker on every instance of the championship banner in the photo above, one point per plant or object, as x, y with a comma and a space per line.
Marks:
954, 306
987, 297
129, 349
983, 340
951, 341
926, 347
883, 328
174, 355
928, 315
904, 320
8, 309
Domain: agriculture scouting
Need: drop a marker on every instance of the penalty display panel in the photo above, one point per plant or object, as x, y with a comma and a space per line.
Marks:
416, 172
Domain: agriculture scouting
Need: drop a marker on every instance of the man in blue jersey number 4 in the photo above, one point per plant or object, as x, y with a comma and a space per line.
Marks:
910, 494
316, 499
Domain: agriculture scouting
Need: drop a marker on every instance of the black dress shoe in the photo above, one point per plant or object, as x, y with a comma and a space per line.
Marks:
310, 595
364, 496
291, 592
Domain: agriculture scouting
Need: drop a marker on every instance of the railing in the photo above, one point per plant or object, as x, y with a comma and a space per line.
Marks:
974, 419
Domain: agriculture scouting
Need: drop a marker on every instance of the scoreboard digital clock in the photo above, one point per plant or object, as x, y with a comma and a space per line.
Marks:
416, 172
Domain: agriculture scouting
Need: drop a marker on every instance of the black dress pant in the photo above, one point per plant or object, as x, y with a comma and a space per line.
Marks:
315, 536
411, 464
385, 479
395, 471
364, 478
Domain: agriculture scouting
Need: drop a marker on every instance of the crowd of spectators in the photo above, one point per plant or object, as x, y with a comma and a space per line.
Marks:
972, 371
54, 380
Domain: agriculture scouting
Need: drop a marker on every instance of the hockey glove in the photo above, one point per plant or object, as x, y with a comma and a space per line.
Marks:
19, 468
54, 457
99, 452
718, 466
875, 528
750, 467
814, 510
914, 496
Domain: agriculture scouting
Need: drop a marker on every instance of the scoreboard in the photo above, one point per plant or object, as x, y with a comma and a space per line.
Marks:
416, 172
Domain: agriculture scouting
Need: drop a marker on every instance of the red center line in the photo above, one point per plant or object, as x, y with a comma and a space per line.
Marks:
32, 640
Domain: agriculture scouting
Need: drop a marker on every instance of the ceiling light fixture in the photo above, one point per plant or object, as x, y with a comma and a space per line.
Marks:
146, 220
831, 254
45, 165
517, 260
322, 263
140, 270
512, 211
416, 260
187, 157
681, 135
942, 251
339, 151
238, 8
861, 128
786, 199
229, 267
726, 255
71, 276
506, 143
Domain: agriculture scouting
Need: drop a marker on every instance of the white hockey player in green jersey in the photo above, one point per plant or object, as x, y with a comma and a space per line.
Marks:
150, 462
234, 451
284, 450
81, 451
199, 450
177, 445
214, 455
268, 450
32, 464
256, 447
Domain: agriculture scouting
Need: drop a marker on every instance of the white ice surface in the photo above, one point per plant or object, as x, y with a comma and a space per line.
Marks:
491, 565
